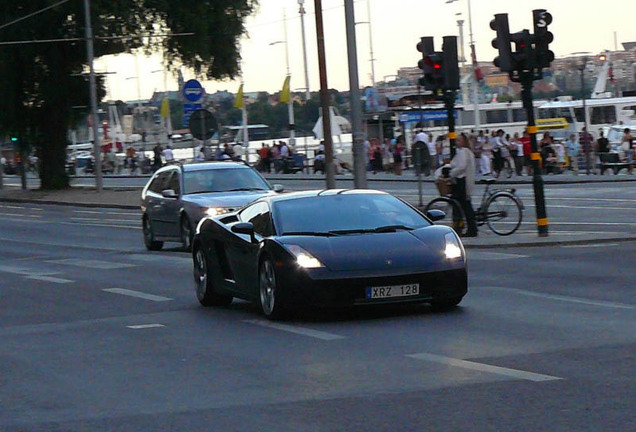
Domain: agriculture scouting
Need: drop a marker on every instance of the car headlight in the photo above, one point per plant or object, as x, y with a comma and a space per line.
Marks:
214, 211
453, 248
304, 258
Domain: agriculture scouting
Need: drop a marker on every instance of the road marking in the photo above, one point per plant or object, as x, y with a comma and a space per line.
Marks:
25, 271
568, 299
590, 245
297, 330
482, 367
482, 255
102, 265
49, 279
20, 215
144, 326
137, 294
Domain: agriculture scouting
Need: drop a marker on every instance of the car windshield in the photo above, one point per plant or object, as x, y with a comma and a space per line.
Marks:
344, 214
223, 180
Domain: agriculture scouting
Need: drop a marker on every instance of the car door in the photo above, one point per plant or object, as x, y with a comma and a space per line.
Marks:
171, 207
154, 203
243, 253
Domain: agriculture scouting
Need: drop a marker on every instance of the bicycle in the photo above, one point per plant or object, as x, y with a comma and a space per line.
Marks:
500, 209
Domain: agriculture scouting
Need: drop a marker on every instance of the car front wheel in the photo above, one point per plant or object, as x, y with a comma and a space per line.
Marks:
149, 236
270, 293
203, 282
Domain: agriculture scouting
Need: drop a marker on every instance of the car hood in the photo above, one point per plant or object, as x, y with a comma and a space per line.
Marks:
233, 200
394, 250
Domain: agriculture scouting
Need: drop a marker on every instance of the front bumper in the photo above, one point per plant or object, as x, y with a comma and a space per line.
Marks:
303, 288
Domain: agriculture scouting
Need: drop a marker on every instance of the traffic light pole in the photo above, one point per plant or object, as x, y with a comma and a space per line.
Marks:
537, 180
449, 102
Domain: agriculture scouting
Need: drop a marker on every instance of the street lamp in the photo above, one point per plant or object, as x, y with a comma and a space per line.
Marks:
290, 104
586, 144
474, 58
301, 11
371, 59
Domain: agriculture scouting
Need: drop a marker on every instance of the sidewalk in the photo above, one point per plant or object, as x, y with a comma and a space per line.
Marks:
130, 198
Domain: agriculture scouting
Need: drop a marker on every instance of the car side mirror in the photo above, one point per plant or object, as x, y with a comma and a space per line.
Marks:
245, 228
435, 215
278, 188
169, 193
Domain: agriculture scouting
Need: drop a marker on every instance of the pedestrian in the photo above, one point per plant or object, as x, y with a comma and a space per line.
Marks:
168, 154
585, 140
463, 174
527, 151
397, 155
497, 147
602, 143
157, 152
627, 148
573, 153
264, 153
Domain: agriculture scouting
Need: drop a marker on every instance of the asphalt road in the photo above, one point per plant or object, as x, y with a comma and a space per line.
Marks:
100, 335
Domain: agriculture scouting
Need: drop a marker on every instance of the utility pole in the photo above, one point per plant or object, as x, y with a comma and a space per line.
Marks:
324, 98
97, 148
301, 11
359, 158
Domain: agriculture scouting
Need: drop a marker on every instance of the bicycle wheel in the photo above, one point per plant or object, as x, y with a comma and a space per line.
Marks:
503, 213
454, 215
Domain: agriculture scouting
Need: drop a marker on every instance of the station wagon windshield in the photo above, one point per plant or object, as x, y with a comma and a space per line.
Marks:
222, 180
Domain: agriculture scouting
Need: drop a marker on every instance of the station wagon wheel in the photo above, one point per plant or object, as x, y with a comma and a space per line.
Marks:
269, 291
149, 236
186, 233
203, 284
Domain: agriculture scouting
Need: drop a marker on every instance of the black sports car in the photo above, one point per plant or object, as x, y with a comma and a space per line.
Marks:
327, 248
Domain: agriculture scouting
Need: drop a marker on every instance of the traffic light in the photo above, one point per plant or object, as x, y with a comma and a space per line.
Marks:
502, 43
542, 38
431, 65
450, 63
522, 58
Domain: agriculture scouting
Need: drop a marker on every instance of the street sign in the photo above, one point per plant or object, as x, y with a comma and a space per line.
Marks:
412, 117
202, 124
192, 90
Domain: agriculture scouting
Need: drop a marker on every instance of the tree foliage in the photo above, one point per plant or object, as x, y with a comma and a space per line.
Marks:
42, 82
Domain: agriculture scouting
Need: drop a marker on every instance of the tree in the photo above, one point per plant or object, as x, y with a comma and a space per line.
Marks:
42, 82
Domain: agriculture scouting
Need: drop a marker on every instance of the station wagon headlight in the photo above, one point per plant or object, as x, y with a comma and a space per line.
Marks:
453, 248
304, 258
214, 211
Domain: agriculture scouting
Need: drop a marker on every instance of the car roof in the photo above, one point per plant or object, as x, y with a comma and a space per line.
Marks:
204, 166
322, 192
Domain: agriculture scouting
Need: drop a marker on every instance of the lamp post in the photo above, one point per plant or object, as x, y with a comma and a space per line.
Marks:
290, 104
477, 120
371, 59
586, 144
301, 11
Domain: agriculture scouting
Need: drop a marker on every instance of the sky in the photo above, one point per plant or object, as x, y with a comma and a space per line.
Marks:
391, 31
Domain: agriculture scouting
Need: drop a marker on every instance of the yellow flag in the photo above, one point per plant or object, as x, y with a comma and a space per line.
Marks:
165, 108
238, 103
285, 96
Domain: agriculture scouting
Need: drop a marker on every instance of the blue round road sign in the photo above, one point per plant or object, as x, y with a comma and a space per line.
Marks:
192, 90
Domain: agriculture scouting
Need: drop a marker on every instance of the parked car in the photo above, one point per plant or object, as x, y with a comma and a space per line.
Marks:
178, 196
330, 248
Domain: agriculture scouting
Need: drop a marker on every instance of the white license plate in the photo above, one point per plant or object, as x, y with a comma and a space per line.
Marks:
393, 291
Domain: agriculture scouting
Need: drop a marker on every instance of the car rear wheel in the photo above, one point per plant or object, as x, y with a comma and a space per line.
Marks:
203, 282
186, 233
149, 236
270, 291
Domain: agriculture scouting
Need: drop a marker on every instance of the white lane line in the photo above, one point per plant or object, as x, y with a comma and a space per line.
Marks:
591, 245
482, 367
49, 279
20, 215
568, 299
297, 330
144, 326
95, 264
137, 294
482, 255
